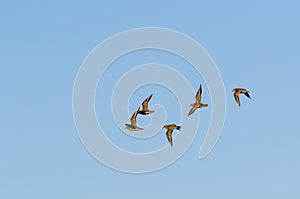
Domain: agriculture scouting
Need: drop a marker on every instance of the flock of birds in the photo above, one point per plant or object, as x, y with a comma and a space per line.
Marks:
170, 127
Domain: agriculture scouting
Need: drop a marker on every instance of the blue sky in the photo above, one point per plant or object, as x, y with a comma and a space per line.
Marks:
254, 44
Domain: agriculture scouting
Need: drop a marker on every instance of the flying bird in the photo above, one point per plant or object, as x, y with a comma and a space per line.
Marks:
237, 92
145, 110
198, 103
169, 132
133, 126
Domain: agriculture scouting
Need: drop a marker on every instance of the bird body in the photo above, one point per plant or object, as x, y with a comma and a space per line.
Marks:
169, 132
133, 126
237, 92
197, 104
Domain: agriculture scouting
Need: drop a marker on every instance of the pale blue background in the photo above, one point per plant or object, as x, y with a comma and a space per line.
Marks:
255, 45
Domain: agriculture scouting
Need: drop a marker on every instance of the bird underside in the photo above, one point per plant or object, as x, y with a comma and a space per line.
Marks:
195, 106
145, 112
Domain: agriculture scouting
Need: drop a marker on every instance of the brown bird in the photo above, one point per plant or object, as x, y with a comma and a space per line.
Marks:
169, 132
133, 126
237, 92
198, 103
145, 110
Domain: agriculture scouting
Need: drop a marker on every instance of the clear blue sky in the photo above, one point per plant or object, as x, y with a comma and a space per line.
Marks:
254, 44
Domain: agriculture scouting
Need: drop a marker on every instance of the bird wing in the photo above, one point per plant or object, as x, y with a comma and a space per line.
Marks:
247, 94
193, 109
145, 102
198, 94
169, 136
133, 117
237, 99
240, 89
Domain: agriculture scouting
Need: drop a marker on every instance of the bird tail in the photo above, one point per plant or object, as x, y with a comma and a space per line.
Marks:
178, 127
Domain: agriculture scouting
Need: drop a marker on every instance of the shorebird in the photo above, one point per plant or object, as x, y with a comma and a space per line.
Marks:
169, 132
237, 92
198, 103
145, 110
133, 126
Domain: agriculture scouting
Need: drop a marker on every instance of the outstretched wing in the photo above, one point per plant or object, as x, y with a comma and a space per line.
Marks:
145, 102
169, 137
237, 99
193, 109
198, 94
247, 94
133, 117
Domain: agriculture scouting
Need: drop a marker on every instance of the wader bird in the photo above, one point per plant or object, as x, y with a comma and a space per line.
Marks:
198, 103
237, 92
145, 110
133, 126
169, 132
